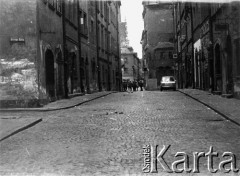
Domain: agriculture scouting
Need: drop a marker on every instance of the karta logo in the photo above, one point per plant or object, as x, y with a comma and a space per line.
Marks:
152, 158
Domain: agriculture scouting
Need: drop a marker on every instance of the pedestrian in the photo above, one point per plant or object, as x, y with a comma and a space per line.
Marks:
134, 86
130, 86
124, 86
141, 84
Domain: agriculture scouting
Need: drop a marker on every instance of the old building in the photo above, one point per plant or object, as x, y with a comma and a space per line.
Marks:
31, 48
130, 64
51, 49
157, 40
206, 43
108, 52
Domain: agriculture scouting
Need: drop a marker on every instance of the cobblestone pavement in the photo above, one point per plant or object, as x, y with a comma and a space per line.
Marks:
230, 107
106, 136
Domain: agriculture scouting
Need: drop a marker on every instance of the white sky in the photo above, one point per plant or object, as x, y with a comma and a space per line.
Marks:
131, 10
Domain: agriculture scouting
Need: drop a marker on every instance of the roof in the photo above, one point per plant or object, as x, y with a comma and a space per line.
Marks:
127, 50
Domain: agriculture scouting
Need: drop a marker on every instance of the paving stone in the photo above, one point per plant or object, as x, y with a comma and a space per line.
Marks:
87, 141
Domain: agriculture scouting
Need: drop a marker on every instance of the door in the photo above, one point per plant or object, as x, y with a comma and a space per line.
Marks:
49, 70
218, 69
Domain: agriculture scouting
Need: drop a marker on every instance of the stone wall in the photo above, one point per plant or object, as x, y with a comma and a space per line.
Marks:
18, 75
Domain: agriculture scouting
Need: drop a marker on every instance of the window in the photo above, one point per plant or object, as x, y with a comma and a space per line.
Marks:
51, 4
83, 23
161, 55
92, 28
99, 32
113, 79
69, 14
106, 39
59, 6
101, 6
93, 69
165, 55
74, 14
102, 37
103, 74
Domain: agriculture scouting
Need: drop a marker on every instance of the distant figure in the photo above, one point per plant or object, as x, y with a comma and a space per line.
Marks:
141, 84
134, 85
124, 86
130, 85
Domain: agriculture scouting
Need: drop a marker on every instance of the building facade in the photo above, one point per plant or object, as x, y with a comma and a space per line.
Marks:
206, 42
130, 63
131, 66
58, 48
157, 40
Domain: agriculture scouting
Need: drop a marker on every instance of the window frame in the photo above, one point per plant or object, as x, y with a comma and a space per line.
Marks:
51, 4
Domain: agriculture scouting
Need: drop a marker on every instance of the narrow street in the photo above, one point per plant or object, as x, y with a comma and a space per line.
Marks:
106, 136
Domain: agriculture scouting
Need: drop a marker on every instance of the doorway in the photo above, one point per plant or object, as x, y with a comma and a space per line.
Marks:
49, 73
229, 65
218, 68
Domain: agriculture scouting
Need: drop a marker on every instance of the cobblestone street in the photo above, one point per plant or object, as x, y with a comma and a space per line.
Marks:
106, 136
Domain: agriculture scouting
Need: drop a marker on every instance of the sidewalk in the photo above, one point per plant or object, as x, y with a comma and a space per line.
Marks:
229, 108
10, 125
63, 103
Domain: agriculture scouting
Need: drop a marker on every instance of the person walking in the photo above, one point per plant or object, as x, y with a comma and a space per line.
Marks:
124, 86
130, 85
141, 84
134, 86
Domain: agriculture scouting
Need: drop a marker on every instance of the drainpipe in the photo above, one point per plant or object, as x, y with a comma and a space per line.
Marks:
109, 71
211, 66
80, 49
193, 76
65, 62
97, 42
119, 68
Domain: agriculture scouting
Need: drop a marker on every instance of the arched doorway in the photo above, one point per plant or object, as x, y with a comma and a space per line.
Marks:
229, 65
218, 68
73, 77
49, 73
59, 76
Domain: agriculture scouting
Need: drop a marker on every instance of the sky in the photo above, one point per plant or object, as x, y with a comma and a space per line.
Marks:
131, 12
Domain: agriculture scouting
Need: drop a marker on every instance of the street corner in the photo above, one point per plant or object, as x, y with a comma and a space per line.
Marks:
11, 125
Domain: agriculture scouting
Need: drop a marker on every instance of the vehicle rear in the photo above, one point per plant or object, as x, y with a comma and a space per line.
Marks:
168, 82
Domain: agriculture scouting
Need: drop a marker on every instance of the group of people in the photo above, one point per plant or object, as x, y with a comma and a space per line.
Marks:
132, 85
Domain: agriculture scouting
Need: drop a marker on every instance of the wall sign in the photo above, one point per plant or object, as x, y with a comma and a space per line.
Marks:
17, 40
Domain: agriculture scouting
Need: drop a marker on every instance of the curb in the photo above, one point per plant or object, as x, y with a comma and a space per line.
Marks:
52, 109
21, 129
212, 108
